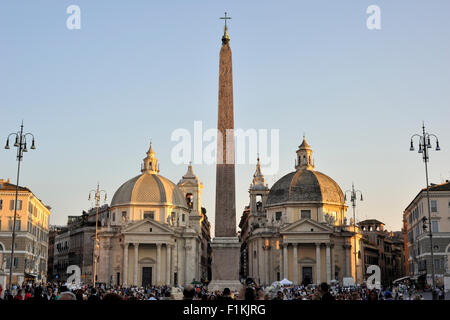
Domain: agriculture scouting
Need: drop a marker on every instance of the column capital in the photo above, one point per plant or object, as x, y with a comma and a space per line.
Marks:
284, 244
295, 244
317, 244
158, 245
136, 244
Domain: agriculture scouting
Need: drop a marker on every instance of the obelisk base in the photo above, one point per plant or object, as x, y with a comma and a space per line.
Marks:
226, 253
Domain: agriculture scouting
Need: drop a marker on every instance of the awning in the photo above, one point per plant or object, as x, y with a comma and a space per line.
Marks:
401, 279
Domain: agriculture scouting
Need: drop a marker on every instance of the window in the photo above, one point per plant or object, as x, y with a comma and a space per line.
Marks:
434, 226
11, 204
8, 262
149, 215
114, 216
183, 217
433, 204
278, 215
1, 204
17, 225
437, 263
306, 214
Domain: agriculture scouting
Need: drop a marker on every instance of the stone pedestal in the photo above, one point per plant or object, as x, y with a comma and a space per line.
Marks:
225, 264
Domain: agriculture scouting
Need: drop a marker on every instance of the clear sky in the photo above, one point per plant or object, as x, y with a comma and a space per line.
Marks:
138, 70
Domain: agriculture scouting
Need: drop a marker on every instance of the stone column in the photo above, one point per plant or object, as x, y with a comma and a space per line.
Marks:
285, 261
136, 263
267, 262
333, 267
318, 263
187, 249
347, 260
250, 259
158, 264
328, 257
125, 265
168, 264
295, 264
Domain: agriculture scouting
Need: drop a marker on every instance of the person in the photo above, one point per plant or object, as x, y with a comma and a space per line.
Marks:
67, 295
28, 294
259, 293
226, 294
250, 294
93, 297
373, 296
387, 295
18, 295
355, 295
316, 296
326, 296
38, 294
188, 293
280, 295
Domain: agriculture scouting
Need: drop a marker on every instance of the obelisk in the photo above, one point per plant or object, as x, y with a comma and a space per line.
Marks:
225, 245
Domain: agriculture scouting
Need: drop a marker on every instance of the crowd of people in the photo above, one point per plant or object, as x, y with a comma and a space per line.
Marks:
249, 291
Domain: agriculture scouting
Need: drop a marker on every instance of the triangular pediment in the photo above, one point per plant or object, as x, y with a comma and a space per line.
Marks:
306, 225
143, 226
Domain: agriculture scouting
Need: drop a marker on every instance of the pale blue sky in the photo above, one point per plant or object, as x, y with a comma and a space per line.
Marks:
140, 69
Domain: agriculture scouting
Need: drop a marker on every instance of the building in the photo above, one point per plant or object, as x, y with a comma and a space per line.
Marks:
74, 244
31, 242
382, 248
53, 232
61, 254
153, 235
417, 242
298, 229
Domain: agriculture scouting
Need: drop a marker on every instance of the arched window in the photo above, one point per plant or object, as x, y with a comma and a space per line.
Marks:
189, 200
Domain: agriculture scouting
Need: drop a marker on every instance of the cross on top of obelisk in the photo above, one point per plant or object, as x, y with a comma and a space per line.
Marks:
226, 37
225, 18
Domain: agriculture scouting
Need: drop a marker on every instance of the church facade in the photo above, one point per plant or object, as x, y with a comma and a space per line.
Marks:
298, 228
155, 232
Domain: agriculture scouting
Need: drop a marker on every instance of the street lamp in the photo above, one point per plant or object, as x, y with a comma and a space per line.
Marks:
353, 197
21, 145
424, 145
97, 196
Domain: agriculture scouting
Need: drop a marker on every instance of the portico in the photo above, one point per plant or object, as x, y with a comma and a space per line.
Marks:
147, 263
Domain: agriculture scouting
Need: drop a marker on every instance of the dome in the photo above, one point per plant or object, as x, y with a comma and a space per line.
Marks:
148, 188
305, 185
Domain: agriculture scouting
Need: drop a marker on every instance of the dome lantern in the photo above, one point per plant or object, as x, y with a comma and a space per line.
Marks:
150, 164
304, 157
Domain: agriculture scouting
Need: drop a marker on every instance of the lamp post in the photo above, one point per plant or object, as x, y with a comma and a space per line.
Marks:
97, 196
21, 145
353, 194
424, 145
